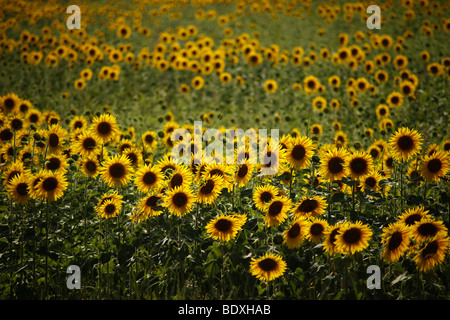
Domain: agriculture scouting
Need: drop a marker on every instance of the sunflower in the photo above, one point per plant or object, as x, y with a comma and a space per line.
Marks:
104, 127
268, 267
359, 165
56, 136
197, 82
90, 166
413, 215
435, 166
353, 237
296, 233
179, 177
270, 86
263, 195
271, 160
300, 152
110, 208
372, 181
316, 229
340, 139
9, 103
329, 244
179, 200
395, 240
51, 186
243, 173
395, 99
148, 207
382, 111
87, 144
225, 227
311, 84
116, 170
210, 189
310, 206
405, 143
123, 31
427, 228
431, 253
224, 171
332, 164
319, 103
56, 163
19, 188
381, 76
13, 169
277, 211
148, 178
150, 140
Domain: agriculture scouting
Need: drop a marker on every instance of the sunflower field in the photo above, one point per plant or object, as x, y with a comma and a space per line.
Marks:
90, 115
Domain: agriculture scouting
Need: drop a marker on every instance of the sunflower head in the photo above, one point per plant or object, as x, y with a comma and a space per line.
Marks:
268, 267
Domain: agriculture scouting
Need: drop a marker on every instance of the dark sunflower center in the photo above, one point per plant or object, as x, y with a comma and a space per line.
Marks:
89, 143
383, 111
133, 158
53, 140
410, 220
33, 118
395, 241
335, 165
333, 235
50, 184
104, 128
405, 143
177, 180
9, 103
149, 138
294, 231
78, 125
180, 199
352, 236
117, 170
6, 135
110, 208
275, 208
91, 166
207, 188
308, 205
22, 189
427, 229
371, 182
149, 178
430, 250
223, 225
266, 196
358, 165
434, 165
394, 100
298, 152
17, 124
53, 164
311, 84
267, 264
316, 229
151, 201
216, 172
242, 171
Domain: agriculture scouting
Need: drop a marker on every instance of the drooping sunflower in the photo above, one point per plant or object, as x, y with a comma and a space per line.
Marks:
104, 127
395, 240
147, 178
435, 166
224, 227
332, 164
116, 170
329, 244
51, 186
296, 233
268, 267
316, 229
359, 165
353, 237
405, 143
179, 200
210, 189
431, 252
427, 228
277, 211
310, 206
412, 215
19, 188
148, 207
263, 195
300, 152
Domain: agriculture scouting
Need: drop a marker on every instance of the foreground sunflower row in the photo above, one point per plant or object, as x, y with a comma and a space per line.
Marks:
38, 158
